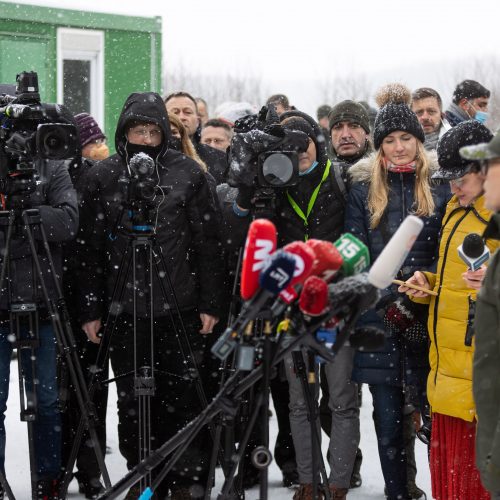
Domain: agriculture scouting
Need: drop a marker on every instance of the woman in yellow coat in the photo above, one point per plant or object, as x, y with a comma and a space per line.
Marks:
451, 314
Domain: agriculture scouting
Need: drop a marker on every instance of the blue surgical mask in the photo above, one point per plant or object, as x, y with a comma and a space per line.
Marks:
310, 169
481, 116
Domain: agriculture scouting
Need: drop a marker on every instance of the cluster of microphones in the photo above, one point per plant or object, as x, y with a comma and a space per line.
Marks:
324, 284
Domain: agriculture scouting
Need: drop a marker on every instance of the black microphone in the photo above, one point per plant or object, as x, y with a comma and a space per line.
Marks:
473, 251
272, 280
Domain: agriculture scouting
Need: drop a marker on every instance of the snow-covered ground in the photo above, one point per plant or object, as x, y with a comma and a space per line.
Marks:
17, 461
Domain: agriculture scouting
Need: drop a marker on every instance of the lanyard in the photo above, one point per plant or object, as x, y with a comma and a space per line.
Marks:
311, 203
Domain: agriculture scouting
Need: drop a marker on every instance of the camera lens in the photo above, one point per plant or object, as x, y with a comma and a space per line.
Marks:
277, 169
56, 141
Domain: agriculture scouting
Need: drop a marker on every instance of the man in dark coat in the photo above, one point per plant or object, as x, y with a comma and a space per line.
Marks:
184, 106
182, 220
55, 199
313, 208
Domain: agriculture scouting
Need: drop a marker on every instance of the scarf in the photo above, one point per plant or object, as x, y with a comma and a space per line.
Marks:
407, 167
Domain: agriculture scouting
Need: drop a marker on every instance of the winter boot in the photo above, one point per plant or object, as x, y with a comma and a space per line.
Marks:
90, 487
338, 493
415, 492
47, 489
356, 479
305, 492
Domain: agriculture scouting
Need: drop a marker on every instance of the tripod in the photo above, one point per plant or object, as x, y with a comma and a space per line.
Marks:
144, 260
234, 387
24, 315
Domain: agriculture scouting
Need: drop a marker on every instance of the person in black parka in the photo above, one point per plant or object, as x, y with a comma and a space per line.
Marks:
186, 230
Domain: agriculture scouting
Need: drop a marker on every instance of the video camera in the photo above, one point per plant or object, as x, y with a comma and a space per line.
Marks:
270, 150
30, 131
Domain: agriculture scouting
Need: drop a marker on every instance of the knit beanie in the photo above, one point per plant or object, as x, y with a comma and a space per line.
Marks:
88, 128
395, 114
451, 163
349, 111
323, 111
298, 123
469, 89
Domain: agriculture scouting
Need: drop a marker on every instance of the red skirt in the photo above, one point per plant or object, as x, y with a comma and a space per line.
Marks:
454, 475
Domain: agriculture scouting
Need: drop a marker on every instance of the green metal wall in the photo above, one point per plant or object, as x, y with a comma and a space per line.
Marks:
132, 51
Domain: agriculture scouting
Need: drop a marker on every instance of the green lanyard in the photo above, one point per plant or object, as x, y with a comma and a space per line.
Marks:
311, 203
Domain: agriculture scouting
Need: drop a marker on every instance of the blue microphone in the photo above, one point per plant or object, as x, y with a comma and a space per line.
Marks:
273, 279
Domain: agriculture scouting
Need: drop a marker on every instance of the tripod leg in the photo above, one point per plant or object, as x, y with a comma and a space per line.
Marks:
6, 487
62, 329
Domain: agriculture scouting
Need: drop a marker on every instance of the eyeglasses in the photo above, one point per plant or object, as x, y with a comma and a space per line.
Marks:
458, 182
143, 133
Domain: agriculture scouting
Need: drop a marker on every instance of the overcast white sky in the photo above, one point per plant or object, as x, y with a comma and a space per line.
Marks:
291, 45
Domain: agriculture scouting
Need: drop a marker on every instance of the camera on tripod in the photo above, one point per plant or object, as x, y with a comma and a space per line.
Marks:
29, 131
139, 189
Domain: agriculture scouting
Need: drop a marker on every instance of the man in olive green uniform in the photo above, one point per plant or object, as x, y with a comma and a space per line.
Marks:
486, 374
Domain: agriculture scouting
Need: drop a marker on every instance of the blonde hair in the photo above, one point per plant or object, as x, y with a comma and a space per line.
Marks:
379, 188
187, 147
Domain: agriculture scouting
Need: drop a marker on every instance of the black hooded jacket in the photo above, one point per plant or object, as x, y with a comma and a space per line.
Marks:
55, 198
184, 217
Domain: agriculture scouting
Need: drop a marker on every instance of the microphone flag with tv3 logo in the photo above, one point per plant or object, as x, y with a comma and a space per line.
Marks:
259, 246
473, 251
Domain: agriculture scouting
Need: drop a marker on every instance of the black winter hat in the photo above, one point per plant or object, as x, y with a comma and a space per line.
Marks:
469, 89
349, 111
451, 164
323, 111
395, 114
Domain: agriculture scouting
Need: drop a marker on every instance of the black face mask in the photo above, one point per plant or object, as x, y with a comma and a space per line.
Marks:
175, 143
133, 149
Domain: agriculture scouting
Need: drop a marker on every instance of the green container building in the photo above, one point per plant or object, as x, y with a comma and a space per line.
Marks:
88, 61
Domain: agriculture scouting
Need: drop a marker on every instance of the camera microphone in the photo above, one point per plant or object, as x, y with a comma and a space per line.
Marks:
473, 251
142, 165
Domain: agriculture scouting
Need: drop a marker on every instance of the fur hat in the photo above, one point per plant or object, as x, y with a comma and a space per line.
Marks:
88, 129
395, 114
451, 164
349, 111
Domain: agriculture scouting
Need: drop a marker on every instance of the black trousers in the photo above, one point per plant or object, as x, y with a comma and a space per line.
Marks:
175, 402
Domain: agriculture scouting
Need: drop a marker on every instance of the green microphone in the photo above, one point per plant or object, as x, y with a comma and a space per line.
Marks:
355, 254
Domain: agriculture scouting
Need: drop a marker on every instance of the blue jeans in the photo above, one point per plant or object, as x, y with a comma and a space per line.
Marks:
47, 424
388, 402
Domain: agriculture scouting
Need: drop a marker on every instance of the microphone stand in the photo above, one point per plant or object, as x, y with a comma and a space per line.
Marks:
232, 389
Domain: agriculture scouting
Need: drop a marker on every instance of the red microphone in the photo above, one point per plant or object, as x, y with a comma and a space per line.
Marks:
260, 245
304, 260
328, 259
313, 300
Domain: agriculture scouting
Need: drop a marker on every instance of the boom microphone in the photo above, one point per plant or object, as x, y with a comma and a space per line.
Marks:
259, 246
473, 251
